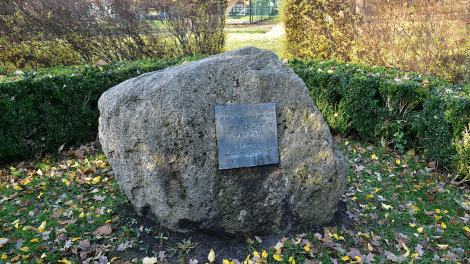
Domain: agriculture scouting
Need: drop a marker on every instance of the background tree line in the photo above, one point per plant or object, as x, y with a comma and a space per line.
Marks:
45, 33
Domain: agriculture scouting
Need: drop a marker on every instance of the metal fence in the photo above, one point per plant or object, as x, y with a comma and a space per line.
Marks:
254, 10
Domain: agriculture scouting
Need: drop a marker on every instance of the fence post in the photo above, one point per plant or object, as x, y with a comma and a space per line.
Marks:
251, 19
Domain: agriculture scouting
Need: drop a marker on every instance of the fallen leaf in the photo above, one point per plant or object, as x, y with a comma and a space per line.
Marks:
419, 250
79, 154
99, 198
148, 260
353, 253
57, 214
442, 246
19, 243
124, 245
211, 256
3, 241
103, 230
277, 257
84, 244
161, 255
69, 221
393, 257
450, 255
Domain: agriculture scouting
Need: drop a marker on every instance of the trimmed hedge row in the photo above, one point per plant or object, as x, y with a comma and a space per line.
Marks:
41, 110
400, 109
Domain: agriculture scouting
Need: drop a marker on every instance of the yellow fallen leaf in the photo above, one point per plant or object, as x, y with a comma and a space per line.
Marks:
442, 246
386, 207
443, 225
466, 228
265, 254
96, 179
369, 247
25, 256
411, 152
34, 240
39, 196
420, 229
18, 188
25, 182
307, 247
414, 255
358, 258
374, 156
412, 225
66, 182
25, 249
113, 259
81, 215
42, 227
369, 196
346, 143
345, 258
330, 71
438, 211
225, 261
377, 189
415, 208
4, 256
211, 256
277, 257
256, 254
77, 238
64, 261
397, 161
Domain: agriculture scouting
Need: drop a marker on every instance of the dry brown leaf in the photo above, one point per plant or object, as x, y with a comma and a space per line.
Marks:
103, 230
79, 154
450, 255
57, 213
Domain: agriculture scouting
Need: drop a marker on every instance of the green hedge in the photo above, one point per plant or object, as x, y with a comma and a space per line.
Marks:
41, 110
404, 110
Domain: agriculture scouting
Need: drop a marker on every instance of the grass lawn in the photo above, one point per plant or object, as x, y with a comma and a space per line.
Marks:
263, 38
68, 207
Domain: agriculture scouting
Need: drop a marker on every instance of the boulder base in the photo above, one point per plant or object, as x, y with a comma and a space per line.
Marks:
158, 132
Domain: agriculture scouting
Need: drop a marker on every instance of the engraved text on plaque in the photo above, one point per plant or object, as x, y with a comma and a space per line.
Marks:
246, 135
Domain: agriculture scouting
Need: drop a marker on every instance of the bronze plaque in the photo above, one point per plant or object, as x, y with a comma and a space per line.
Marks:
246, 135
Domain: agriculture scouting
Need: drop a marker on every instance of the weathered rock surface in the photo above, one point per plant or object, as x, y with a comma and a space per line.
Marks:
158, 131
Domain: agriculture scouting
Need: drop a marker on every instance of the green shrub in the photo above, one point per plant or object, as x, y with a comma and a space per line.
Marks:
400, 109
42, 110
420, 36
463, 157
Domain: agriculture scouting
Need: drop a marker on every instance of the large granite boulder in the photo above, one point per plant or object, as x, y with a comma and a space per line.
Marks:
158, 132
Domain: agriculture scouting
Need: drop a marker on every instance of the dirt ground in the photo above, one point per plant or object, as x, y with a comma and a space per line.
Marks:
187, 247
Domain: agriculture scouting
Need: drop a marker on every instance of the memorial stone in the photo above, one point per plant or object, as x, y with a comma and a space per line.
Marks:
174, 161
